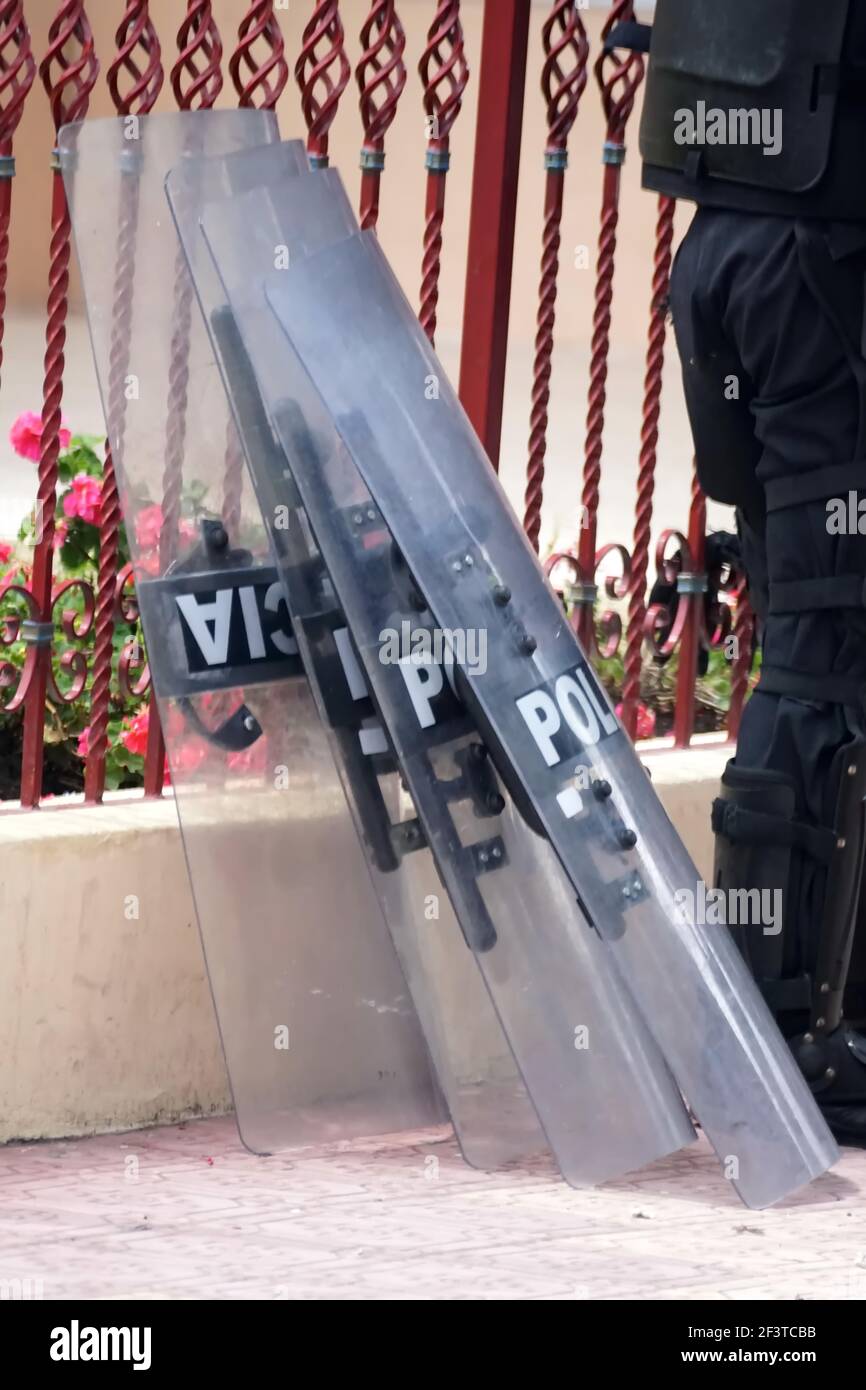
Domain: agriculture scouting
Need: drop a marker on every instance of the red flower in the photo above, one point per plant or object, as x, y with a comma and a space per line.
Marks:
252, 759
646, 721
25, 436
83, 498
84, 742
6, 549
134, 738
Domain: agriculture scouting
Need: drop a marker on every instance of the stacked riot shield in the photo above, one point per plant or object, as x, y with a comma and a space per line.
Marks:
510, 834
310, 999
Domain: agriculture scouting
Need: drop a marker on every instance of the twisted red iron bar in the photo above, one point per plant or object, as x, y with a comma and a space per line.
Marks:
444, 73
381, 78
744, 640
196, 81
138, 59
619, 81
694, 633
196, 77
259, 82
68, 71
17, 74
647, 464
562, 88
320, 90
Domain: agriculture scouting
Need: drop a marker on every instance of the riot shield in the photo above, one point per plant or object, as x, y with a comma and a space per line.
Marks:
319, 1033
552, 733
491, 1111
605, 1099
554, 741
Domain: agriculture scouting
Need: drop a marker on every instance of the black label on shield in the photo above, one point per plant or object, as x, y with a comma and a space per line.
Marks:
218, 629
233, 627
567, 715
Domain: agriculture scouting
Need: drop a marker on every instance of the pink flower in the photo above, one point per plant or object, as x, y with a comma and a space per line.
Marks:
134, 738
83, 498
61, 531
148, 525
6, 549
84, 742
646, 721
25, 436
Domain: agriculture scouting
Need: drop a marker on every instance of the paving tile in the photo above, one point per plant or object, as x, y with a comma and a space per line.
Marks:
185, 1212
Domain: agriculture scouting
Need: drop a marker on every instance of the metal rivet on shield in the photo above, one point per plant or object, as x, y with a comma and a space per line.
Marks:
495, 803
601, 790
501, 595
528, 644
627, 838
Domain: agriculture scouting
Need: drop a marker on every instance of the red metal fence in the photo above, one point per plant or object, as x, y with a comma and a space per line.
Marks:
70, 645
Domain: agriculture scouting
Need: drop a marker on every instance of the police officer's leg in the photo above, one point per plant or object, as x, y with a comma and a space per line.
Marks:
765, 302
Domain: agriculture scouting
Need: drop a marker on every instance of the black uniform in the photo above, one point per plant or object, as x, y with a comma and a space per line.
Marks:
768, 297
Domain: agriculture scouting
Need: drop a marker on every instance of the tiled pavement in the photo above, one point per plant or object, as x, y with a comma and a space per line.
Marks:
186, 1212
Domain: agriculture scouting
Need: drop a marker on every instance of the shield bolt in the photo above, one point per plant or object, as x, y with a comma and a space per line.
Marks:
627, 838
495, 803
601, 790
528, 644
501, 595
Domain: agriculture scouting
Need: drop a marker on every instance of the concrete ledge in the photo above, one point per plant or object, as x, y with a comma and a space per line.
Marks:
106, 1020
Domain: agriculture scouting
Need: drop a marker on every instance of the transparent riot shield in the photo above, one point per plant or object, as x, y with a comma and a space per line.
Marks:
319, 1033
491, 1111
553, 736
603, 1094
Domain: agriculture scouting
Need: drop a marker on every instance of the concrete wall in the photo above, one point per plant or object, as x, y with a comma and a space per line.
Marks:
106, 1020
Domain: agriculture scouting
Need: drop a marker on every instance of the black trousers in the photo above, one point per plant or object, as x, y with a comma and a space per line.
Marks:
769, 319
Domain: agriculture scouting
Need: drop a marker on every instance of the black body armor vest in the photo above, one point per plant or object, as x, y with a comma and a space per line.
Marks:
759, 105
